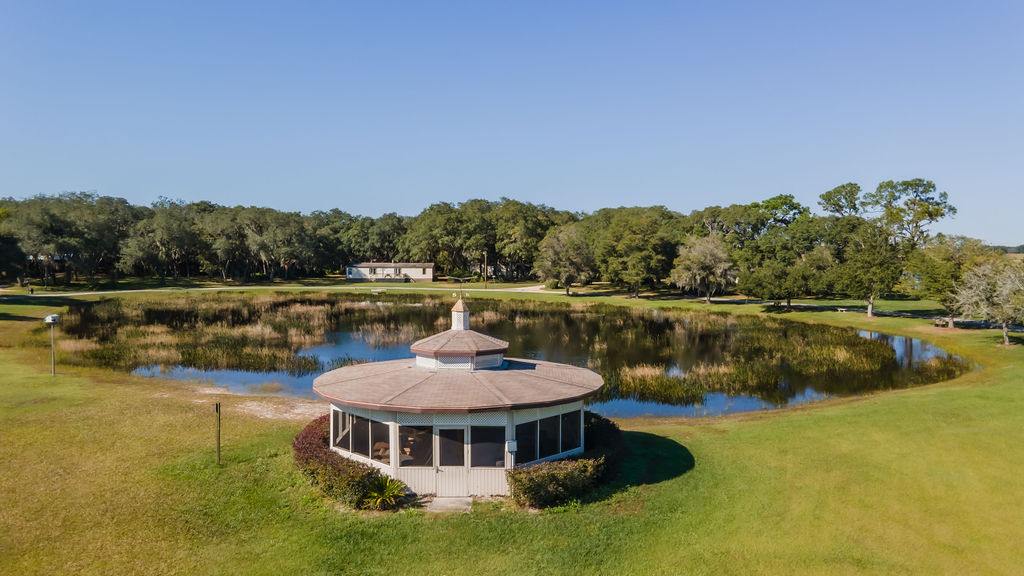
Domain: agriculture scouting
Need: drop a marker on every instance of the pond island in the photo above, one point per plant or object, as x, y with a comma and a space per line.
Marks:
452, 420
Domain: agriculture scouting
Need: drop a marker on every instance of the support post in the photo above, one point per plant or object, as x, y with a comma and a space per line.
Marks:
53, 356
216, 408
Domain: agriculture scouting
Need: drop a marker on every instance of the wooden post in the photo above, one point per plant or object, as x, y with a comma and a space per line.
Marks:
485, 268
216, 408
53, 357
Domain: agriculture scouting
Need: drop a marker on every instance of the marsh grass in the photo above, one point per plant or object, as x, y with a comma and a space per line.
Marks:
667, 356
768, 358
265, 388
234, 331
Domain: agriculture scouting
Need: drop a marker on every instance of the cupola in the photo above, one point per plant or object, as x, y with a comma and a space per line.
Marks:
459, 348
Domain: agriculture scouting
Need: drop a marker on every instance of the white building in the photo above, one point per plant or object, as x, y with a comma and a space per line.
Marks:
390, 272
453, 420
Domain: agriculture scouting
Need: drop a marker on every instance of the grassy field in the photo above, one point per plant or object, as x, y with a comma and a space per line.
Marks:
101, 472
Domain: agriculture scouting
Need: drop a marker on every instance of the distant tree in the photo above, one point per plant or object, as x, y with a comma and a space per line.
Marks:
993, 291
633, 245
871, 254
45, 233
11, 257
565, 256
383, 237
935, 270
175, 237
842, 200
872, 264
782, 263
432, 236
139, 254
287, 243
223, 234
330, 243
477, 236
518, 229
703, 265
639, 258
906, 209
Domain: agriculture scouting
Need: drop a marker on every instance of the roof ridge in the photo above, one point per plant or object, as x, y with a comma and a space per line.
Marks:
490, 387
409, 387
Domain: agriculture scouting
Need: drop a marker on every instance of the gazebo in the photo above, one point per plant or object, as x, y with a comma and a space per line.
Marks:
452, 420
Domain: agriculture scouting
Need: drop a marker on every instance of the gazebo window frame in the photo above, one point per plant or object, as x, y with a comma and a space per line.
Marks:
561, 417
404, 432
474, 456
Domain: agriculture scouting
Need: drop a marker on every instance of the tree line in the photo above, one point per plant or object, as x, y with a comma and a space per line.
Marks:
857, 244
83, 235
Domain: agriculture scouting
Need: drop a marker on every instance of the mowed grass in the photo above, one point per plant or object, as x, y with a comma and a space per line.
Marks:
101, 472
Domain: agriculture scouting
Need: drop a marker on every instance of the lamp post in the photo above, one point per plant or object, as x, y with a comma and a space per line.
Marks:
52, 321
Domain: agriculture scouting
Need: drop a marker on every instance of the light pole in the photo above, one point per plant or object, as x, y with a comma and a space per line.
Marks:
52, 321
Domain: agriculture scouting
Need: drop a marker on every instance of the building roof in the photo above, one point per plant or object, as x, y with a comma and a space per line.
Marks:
391, 265
402, 386
459, 343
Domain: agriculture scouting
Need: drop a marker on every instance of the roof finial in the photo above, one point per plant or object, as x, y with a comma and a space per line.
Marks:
460, 316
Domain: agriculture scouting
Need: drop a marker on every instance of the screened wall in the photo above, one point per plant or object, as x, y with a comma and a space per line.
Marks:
546, 437
362, 436
419, 446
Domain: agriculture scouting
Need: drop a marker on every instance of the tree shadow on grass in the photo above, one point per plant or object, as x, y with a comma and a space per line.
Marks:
5, 317
13, 303
649, 459
24, 300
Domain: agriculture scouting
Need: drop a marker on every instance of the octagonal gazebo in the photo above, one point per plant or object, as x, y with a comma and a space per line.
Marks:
452, 420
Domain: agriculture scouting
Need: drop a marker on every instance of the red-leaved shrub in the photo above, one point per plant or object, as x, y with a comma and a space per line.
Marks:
337, 477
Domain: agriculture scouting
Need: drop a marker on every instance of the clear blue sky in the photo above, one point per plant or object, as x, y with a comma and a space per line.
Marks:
385, 106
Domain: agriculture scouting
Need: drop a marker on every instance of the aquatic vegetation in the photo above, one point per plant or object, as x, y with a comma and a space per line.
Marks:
670, 357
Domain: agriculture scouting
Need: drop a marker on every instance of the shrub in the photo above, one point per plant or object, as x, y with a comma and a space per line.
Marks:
558, 482
555, 482
385, 493
337, 477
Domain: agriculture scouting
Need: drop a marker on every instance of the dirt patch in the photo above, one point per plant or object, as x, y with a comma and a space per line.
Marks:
283, 409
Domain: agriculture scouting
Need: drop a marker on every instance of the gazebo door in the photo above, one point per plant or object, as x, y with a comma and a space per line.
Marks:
452, 472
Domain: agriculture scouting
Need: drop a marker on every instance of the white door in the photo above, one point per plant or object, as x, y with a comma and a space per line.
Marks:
452, 461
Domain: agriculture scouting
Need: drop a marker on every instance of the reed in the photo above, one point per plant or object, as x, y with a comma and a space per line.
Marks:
766, 357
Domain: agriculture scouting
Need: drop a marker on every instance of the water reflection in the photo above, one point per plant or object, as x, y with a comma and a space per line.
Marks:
656, 363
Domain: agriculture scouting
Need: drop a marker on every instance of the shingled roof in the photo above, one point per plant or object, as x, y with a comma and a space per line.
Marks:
459, 343
402, 386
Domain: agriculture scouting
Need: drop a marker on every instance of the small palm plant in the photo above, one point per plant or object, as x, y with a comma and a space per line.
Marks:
385, 493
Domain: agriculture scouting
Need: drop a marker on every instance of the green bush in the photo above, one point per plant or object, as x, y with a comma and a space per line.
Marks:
555, 482
337, 477
385, 493
558, 482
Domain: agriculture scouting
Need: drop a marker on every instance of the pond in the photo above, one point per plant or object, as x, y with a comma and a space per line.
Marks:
656, 363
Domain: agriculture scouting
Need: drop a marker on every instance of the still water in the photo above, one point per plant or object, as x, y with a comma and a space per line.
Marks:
615, 342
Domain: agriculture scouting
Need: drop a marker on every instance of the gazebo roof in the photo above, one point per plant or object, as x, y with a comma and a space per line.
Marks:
402, 386
459, 343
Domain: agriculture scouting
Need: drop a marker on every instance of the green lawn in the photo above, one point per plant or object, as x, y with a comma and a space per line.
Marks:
102, 472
